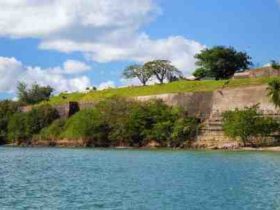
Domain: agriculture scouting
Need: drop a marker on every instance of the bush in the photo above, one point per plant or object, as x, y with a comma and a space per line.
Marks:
17, 128
53, 131
183, 129
247, 124
88, 125
39, 118
7, 109
22, 126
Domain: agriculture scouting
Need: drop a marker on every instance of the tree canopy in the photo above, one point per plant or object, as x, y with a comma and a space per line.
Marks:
139, 72
275, 65
33, 95
221, 62
163, 69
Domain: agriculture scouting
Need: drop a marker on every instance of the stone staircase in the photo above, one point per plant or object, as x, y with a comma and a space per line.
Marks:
211, 134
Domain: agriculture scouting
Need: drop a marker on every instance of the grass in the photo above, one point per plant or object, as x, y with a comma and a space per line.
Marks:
175, 87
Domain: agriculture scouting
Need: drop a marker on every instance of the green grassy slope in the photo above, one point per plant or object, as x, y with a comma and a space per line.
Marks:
175, 87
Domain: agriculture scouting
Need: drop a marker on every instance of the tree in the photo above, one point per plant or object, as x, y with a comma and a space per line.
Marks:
221, 62
162, 69
274, 92
138, 71
275, 65
200, 73
33, 95
247, 124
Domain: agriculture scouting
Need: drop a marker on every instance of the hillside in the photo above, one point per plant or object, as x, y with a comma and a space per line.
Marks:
175, 87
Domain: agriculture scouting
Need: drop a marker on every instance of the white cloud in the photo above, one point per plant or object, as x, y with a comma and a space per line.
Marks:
104, 30
12, 71
106, 85
75, 67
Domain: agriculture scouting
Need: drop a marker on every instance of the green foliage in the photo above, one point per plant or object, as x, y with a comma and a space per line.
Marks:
275, 65
221, 62
33, 95
17, 128
274, 92
162, 69
39, 118
247, 124
22, 126
7, 109
87, 125
184, 128
121, 122
137, 71
200, 73
54, 131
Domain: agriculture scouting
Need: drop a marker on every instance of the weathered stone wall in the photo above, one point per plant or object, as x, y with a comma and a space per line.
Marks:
229, 99
208, 104
196, 104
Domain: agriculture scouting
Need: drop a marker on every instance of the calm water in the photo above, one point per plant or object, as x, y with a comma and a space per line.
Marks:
122, 179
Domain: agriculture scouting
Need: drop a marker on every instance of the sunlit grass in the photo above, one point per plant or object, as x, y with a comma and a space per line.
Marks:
175, 87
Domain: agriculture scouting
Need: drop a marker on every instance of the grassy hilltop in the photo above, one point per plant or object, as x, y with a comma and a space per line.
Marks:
174, 87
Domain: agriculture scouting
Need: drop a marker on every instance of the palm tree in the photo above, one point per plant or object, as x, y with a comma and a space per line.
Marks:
274, 92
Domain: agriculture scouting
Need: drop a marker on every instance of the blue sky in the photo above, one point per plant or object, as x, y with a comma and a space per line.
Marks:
91, 45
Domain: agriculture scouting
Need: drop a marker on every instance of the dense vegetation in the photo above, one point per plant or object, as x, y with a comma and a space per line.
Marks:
248, 124
7, 109
23, 126
120, 122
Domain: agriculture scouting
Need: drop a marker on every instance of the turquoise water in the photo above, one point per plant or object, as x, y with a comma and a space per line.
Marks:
135, 179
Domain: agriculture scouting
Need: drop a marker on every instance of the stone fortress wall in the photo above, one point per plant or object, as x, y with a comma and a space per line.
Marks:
208, 106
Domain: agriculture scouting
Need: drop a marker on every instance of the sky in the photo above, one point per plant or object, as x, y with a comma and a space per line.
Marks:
74, 44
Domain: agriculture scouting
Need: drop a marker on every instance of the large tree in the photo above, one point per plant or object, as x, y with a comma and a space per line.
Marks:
139, 72
163, 69
274, 92
33, 95
275, 65
221, 62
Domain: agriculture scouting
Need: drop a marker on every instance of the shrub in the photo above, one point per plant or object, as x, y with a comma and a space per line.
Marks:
23, 126
89, 125
53, 131
247, 124
39, 118
183, 129
17, 128
7, 109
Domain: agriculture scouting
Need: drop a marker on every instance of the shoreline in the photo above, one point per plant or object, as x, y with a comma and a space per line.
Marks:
241, 149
